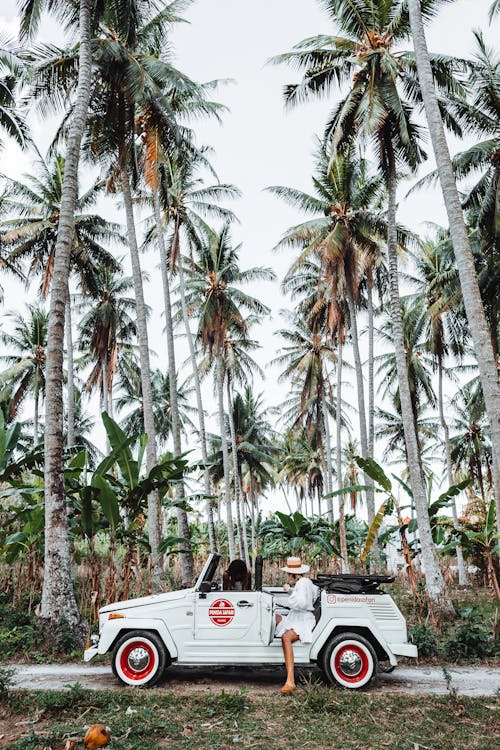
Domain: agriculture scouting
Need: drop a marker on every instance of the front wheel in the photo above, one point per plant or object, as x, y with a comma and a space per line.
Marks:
139, 658
349, 661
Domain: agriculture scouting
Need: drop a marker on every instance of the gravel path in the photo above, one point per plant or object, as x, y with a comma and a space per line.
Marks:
473, 681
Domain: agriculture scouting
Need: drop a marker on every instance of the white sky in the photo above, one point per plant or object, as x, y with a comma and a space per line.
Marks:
259, 143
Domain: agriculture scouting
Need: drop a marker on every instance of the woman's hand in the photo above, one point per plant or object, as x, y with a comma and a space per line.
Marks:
286, 587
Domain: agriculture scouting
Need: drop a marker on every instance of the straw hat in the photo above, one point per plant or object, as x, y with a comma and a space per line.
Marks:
294, 565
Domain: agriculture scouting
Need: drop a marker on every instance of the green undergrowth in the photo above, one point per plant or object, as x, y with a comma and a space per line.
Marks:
22, 640
473, 635
315, 717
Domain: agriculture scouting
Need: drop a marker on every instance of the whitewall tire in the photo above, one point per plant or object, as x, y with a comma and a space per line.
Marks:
349, 661
139, 659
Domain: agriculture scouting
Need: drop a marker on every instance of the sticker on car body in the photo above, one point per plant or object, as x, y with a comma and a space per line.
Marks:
221, 612
349, 599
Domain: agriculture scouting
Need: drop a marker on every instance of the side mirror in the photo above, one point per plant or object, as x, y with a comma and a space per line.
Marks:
205, 588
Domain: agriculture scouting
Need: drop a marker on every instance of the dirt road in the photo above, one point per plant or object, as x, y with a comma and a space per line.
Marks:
474, 681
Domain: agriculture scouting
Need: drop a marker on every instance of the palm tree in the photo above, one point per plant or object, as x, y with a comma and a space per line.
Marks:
31, 233
383, 91
130, 399
256, 453
157, 143
442, 334
106, 329
470, 444
131, 81
390, 429
305, 357
11, 72
58, 599
184, 199
345, 235
487, 362
26, 362
418, 361
302, 466
221, 306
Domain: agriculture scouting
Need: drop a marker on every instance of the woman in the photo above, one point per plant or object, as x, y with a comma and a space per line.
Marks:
299, 623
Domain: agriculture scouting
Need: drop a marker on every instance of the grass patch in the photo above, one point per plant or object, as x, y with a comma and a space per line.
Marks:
314, 717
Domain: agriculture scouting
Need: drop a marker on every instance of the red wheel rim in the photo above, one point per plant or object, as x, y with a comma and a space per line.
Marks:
365, 664
128, 669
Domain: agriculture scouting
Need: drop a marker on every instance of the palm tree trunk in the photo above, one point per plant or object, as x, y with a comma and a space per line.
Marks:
225, 457
186, 556
328, 460
371, 379
199, 405
370, 499
242, 541
488, 371
36, 410
433, 578
70, 382
154, 529
462, 575
343, 541
252, 524
58, 598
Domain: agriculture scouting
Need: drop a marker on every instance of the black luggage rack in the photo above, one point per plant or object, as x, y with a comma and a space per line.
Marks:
351, 583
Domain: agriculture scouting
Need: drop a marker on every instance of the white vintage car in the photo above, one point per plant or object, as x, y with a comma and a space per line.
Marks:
206, 625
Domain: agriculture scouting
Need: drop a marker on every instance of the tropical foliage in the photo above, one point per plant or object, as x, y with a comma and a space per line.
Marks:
387, 348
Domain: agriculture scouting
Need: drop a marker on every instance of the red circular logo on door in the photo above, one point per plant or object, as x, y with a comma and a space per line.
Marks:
221, 612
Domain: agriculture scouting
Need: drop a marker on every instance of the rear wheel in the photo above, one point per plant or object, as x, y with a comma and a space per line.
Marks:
349, 661
139, 658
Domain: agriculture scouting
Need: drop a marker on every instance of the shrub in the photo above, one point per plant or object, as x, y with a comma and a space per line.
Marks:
425, 639
20, 638
6, 675
468, 641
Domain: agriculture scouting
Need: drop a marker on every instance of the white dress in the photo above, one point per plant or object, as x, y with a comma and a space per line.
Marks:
301, 616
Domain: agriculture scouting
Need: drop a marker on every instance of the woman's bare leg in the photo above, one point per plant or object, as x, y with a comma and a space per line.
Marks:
287, 641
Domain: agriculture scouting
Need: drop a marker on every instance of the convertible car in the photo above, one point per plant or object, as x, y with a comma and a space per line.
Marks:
359, 629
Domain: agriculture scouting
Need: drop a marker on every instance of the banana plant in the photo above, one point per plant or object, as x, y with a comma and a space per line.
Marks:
121, 486
488, 540
10, 469
390, 503
286, 533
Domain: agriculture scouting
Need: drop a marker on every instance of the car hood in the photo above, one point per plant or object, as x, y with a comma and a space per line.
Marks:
143, 601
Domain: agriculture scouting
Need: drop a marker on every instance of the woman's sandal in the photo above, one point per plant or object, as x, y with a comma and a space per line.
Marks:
287, 689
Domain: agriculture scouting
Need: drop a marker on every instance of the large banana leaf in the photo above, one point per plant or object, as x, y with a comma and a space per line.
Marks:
347, 490
375, 472
108, 499
120, 444
489, 526
446, 496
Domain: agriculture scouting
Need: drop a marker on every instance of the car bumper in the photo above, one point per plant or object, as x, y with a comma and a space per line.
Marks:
89, 653
404, 649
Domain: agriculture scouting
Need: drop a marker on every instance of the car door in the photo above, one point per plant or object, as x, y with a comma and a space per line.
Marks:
227, 617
